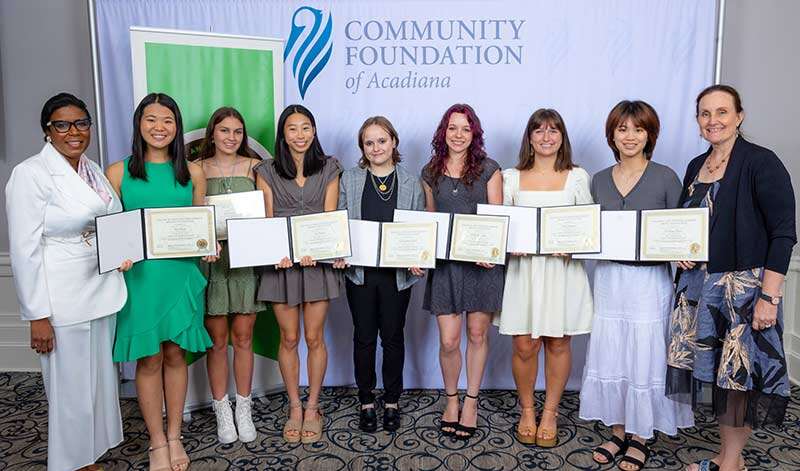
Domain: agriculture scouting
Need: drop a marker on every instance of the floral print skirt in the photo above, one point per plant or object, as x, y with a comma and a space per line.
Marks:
712, 343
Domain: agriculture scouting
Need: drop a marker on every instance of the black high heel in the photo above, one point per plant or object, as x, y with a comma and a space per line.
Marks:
464, 432
453, 426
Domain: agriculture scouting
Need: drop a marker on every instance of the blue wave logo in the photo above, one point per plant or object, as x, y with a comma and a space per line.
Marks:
312, 51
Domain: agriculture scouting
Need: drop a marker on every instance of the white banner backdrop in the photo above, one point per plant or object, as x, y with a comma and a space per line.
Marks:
410, 60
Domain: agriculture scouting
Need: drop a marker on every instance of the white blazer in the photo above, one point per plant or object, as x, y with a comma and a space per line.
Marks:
51, 231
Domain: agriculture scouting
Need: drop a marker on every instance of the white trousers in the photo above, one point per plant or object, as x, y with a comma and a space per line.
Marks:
82, 394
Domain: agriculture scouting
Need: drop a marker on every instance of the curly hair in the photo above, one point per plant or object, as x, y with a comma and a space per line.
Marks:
476, 153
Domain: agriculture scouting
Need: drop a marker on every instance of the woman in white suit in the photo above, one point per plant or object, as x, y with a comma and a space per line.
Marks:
52, 199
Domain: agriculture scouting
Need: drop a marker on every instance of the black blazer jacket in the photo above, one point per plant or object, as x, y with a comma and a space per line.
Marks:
753, 219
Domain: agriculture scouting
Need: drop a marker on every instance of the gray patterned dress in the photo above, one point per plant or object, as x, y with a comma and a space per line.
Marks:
712, 341
456, 287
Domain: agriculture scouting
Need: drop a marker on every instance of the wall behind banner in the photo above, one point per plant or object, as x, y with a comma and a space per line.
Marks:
409, 60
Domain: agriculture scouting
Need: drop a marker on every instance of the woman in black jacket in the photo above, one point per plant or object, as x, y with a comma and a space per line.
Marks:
727, 325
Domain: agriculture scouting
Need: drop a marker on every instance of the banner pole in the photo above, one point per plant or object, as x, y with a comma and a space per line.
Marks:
720, 36
98, 109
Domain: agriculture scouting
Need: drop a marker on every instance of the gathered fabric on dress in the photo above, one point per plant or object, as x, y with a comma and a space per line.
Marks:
166, 297
712, 341
297, 285
230, 290
545, 295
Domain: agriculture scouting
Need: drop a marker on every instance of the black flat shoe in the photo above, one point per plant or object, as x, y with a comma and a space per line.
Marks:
639, 464
622, 447
368, 420
391, 419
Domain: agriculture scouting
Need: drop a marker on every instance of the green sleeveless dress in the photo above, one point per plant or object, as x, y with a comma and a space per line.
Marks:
166, 297
230, 290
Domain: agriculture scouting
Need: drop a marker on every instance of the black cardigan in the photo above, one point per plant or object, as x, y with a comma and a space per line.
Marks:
753, 219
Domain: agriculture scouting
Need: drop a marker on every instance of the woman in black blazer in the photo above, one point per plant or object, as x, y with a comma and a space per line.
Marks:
727, 325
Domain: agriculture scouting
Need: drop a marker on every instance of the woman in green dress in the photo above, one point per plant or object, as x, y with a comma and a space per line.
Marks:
163, 316
227, 162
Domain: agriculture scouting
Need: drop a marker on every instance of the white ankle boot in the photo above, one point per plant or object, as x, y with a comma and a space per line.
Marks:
244, 419
226, 431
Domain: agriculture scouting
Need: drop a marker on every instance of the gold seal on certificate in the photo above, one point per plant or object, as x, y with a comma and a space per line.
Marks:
674, 235
479, 238
408, 244
321, 236
245, 204
570, 229
180, 232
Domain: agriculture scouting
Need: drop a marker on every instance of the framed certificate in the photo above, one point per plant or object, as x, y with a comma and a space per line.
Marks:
442, 221
523, 226
254, 242
674, 235
408, 244
155, 233
570, 229
479, 238
246, 204
321, 236
619, 235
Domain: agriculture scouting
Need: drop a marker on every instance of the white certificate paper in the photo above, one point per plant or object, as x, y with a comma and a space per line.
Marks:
246, 204
479, 238
119, 238
180, 232
321, 236
408, 244
442, 221
570, 229
257, 242
674, 235
365, 239
523, 232
619, 231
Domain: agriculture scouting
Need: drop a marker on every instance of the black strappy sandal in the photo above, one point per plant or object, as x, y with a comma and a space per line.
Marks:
467, 432
453, 426
622, 447
636, 462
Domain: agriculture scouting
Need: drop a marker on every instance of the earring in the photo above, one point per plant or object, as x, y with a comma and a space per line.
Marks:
48, 139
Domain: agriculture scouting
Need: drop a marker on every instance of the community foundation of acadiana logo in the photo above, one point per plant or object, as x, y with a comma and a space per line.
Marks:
311, 44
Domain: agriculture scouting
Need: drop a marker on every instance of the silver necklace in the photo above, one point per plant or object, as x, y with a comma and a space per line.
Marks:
226, 181
380, 186
457, 180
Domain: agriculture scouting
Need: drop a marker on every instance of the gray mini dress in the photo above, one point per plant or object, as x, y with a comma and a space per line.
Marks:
297, 284
457, 287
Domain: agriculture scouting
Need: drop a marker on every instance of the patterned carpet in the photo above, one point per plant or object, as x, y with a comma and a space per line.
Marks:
417, 446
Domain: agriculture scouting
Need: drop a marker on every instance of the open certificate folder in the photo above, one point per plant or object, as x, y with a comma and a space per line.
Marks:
153, 233
664, 235
266, 241
557, 229
393, 244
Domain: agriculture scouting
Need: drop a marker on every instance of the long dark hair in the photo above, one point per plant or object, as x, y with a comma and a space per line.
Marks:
539, 118
476, 153
207, 149
315, 157
176, 150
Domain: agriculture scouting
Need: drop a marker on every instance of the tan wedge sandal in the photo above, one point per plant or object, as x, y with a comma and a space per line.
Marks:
312, 426
292, 429
547, 438
526, 434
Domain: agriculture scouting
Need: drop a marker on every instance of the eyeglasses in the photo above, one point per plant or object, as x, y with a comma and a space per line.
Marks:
62, 127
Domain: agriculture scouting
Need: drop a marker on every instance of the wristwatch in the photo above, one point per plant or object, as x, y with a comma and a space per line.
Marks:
774, 300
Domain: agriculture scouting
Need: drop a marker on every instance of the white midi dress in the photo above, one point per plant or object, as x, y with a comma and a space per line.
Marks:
546, 295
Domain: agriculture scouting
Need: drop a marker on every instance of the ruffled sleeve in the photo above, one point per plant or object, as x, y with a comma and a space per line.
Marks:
510, 185
331, 170
489, 167
581, 186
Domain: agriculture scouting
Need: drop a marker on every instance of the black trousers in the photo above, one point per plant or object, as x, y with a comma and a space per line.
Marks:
378, 309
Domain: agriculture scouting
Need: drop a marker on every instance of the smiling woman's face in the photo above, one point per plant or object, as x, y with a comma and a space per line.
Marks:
158, 126
73, 143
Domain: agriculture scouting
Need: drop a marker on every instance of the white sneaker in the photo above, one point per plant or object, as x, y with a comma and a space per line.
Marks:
244, 419
226, 431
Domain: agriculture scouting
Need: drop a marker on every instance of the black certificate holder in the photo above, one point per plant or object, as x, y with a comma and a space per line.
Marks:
142, 229
539, 228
